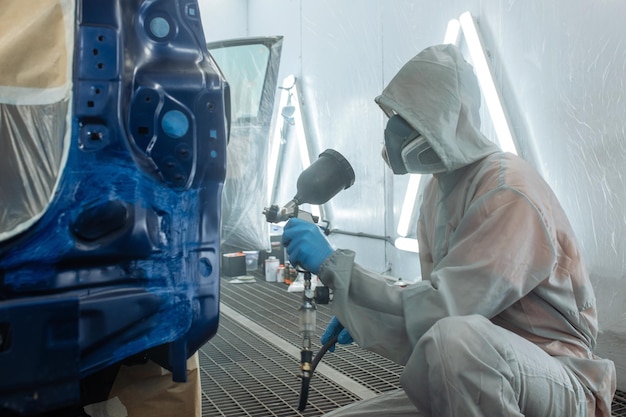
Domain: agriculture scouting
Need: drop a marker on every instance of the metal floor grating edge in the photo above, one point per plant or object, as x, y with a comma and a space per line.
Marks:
242, 374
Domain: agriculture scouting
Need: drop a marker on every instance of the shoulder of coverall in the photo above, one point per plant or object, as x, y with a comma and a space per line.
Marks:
514, 172
437, 93
506, 171
497, 169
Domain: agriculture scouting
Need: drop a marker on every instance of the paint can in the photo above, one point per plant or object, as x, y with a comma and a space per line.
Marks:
280, 275
271, 269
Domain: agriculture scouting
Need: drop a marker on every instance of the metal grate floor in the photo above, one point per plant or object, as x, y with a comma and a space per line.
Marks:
618, 408
250, 367
244, 374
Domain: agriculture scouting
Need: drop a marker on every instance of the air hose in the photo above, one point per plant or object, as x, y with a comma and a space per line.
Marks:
308, 373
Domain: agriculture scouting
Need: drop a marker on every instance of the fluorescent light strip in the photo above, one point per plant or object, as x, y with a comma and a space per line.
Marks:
487, 85
408, 205
305, 157
276, 139
453, 32
407, 244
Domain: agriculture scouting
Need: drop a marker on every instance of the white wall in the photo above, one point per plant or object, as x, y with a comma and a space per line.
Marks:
559, 64
224, 19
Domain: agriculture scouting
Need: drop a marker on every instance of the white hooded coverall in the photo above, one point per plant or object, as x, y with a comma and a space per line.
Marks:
504, 321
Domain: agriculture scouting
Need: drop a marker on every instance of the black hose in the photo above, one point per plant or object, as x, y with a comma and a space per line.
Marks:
325, 348
306, 381
304, 393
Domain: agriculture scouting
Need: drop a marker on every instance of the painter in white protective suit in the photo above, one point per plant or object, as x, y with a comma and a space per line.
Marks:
504, 322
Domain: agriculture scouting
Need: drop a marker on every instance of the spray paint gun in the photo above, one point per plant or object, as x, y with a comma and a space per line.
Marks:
317, 184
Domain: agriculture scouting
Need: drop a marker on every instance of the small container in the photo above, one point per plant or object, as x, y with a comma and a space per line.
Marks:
280, 274
233, 264
271, 269
252, 260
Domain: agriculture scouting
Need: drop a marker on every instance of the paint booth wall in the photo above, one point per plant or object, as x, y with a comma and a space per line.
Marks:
559, 66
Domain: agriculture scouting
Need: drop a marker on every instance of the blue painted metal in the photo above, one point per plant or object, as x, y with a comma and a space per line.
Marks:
126, 258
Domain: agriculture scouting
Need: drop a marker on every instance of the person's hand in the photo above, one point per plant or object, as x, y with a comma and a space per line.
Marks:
306, 246
333, 328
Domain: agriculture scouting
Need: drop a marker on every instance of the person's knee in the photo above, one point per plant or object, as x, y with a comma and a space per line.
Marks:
440, 356
442, 350
451, 346
454, 337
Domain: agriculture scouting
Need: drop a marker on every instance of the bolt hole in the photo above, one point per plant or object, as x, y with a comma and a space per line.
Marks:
95, 136
90, 103
100, 65
100, 38
160, 27
205, 267
175, 124
210, 106
97, 91
95, 52
148, 99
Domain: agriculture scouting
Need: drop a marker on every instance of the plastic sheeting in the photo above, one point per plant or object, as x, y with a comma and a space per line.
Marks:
243, 224
31, 143
250, 67
35, 68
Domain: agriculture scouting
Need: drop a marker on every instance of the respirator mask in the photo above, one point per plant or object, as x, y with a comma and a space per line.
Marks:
407, 151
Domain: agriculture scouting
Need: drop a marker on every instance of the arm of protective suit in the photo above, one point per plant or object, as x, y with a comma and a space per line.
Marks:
498, 253
369, 307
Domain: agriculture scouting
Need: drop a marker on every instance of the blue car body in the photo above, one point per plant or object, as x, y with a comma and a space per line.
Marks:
125, 260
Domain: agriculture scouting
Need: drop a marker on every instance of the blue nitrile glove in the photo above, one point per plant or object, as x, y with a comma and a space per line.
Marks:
306, 246
332, 329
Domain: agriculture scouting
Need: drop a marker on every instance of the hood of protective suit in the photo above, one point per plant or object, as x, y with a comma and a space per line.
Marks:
437, 93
